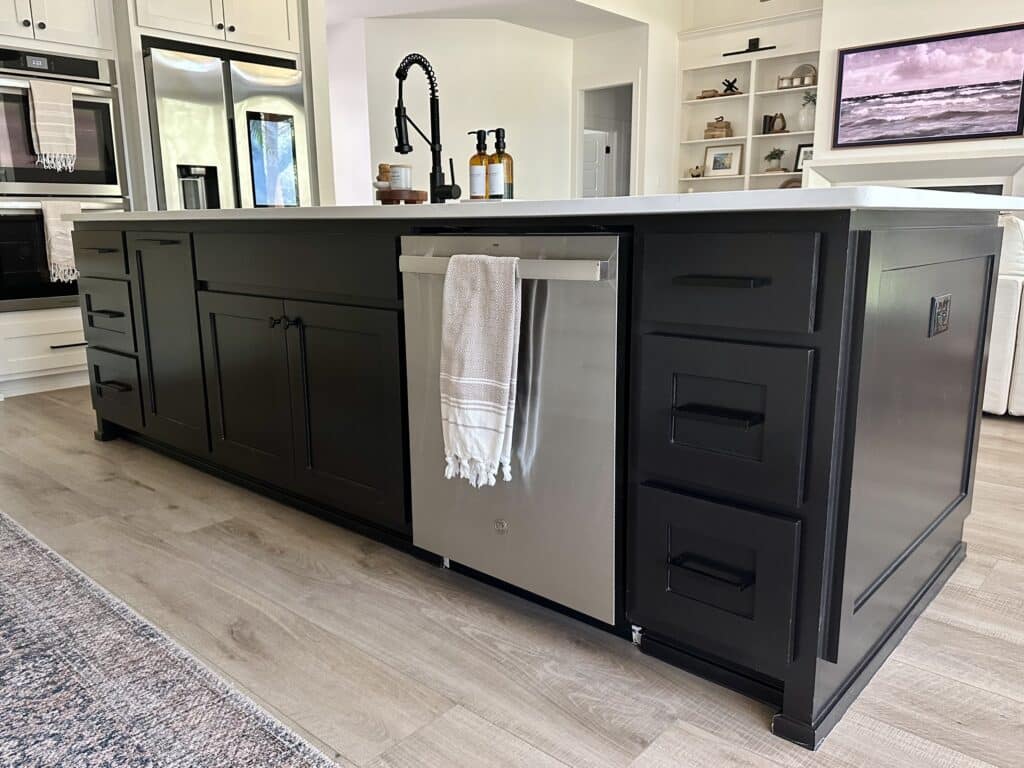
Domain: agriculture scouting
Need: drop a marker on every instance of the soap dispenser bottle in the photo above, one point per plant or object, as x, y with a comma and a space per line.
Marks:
499, 169
478, 168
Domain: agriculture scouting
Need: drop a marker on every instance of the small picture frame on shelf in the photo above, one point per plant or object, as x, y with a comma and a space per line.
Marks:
723, 160
803, 152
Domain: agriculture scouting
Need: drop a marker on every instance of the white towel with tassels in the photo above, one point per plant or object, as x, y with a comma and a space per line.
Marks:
479, 361
59, 248
52, 114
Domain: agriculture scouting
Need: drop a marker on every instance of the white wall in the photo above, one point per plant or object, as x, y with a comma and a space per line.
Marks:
490, 74
611, 110
851, 23
354, 168
593, 67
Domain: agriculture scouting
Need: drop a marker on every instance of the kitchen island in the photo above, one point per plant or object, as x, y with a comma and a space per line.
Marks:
796, 382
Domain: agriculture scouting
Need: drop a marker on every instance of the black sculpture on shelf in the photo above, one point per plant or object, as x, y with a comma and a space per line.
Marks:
730, 86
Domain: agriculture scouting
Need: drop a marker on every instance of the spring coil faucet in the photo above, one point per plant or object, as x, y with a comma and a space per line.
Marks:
440, 191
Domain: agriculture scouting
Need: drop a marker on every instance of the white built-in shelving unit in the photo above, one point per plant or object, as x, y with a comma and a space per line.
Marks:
757, 77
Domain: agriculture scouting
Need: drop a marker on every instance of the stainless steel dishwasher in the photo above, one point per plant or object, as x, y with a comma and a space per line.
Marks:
551, 530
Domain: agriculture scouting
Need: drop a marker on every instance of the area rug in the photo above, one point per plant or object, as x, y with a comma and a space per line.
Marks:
85, 682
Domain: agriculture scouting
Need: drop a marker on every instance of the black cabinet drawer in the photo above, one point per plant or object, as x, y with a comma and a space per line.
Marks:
765, 281
728, 417
349, 264
714, 577
100, 254
115, 387
107, 313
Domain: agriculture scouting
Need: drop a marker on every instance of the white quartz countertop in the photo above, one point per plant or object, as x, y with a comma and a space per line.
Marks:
830, 198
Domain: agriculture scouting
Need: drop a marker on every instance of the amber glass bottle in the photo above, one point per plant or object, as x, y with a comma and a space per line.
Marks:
499, 169
478, 167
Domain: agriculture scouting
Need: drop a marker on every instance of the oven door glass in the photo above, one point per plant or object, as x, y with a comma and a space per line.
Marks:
96, 164
24, 268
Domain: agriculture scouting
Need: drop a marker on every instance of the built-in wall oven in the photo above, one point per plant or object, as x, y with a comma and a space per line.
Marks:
97, 170
96, 181
24, 265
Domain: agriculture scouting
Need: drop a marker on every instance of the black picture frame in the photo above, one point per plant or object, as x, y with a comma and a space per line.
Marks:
845, 52
798, 164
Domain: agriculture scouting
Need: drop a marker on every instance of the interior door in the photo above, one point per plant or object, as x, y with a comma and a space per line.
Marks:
347, 406
167, 326
16, 18
189, 17
73, 22
246, 360
269, 24
595, 164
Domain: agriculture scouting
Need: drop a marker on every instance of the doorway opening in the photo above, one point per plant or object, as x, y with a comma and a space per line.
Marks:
607, 143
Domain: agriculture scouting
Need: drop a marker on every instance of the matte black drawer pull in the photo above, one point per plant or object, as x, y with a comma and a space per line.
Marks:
700, 566
70, 346
157, 241
116, 386
713, 414
96, 249
111, 313
720, 281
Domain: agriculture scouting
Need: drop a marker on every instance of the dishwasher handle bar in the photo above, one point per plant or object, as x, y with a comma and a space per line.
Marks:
579, 270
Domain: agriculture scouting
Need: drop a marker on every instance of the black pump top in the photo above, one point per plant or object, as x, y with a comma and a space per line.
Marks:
499, 139
481, 140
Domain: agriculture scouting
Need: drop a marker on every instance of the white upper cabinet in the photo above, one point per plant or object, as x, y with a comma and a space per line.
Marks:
73, 22
189, 17
264, 23
16, 18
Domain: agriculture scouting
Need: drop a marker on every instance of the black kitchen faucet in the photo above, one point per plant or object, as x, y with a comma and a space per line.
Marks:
439, 190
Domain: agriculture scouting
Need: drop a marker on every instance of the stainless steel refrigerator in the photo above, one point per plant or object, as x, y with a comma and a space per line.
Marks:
226, 134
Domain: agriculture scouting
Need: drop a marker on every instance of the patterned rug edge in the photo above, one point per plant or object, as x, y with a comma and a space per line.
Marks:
208, 675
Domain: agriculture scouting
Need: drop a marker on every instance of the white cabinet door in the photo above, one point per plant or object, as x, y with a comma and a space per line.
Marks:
13, 17
189, 17
266, 23
73, 22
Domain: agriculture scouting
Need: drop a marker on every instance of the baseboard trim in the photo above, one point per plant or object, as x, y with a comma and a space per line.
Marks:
811, 735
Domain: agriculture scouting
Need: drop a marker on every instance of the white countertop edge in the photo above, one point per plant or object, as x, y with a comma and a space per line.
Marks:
829, 198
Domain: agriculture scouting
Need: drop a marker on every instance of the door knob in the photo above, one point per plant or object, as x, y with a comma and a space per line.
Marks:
41, 25
231, 28
220, 25
26, 22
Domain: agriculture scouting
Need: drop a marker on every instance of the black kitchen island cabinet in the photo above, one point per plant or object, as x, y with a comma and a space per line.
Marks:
800, 398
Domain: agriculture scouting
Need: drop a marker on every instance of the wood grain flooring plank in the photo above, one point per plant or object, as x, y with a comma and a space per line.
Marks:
962, 718
460, 739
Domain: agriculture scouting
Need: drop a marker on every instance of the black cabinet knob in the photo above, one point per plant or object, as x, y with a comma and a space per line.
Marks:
26, 22
231, 28
220, 25
41, 25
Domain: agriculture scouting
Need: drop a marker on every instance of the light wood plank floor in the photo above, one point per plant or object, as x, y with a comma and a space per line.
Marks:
383, 660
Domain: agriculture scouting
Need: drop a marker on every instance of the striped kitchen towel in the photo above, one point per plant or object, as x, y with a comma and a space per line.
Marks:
479, 360
59, 249
52, 113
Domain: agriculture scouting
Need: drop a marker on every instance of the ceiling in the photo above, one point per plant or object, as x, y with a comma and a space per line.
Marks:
567, 18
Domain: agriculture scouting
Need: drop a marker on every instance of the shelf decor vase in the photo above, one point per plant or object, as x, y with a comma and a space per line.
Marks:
805, 118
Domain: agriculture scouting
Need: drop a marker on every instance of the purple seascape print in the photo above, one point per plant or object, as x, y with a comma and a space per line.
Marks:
954, 88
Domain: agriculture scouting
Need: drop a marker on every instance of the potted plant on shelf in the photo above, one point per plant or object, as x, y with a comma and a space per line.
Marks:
774, 159
805, 117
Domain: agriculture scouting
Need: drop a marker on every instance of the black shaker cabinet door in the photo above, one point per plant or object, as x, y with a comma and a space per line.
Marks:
347, 409
167, 324
246, 355
714, 577
726, 417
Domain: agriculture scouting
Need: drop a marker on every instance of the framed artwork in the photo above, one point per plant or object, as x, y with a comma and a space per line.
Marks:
723, 160
803, 152
966, 85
